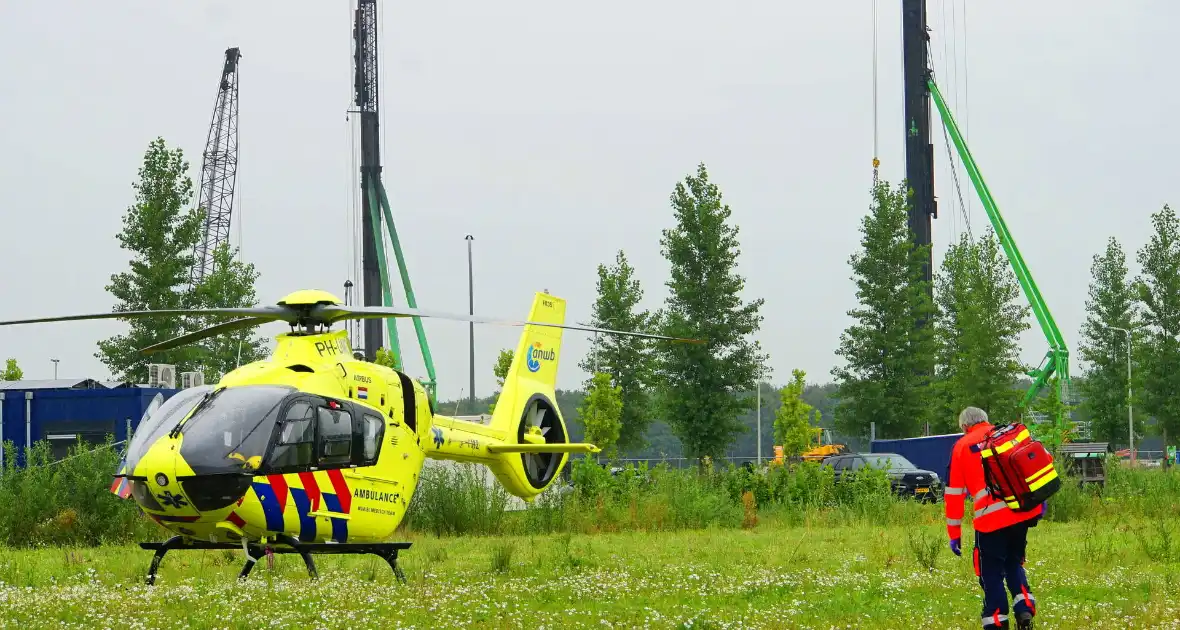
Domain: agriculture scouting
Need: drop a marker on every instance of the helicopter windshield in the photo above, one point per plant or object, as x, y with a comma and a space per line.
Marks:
230, 431
164, 418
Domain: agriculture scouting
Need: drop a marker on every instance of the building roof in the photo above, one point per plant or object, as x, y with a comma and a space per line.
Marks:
1084, 448
61, 383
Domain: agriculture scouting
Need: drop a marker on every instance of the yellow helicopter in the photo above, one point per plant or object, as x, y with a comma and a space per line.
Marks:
315, 451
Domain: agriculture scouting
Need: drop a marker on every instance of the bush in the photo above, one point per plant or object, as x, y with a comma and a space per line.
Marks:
457, 500
66, 502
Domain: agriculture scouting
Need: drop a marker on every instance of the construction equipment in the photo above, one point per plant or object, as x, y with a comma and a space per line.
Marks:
219, 170
1056, 360
821, 446
375, 280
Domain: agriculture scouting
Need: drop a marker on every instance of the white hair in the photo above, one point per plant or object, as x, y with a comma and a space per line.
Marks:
971, 416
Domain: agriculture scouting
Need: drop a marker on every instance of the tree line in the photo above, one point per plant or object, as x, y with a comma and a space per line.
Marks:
1136, 317
979, 310
905, 379
695, 388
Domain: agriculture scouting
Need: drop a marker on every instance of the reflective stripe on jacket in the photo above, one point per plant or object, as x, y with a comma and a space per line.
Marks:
966, 480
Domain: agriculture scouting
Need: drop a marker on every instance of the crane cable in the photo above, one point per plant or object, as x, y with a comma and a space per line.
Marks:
876, 160
950, 151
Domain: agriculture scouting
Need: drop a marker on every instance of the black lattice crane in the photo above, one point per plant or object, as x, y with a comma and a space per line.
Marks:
219, 170
375, 276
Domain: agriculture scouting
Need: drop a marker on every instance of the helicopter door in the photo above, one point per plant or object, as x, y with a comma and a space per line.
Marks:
294, 450
334, 429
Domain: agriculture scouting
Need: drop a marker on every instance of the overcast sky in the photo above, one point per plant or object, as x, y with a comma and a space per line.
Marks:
555, 137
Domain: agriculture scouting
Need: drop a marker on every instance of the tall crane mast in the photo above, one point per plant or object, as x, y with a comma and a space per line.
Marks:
919, 151
219, 170
375, 287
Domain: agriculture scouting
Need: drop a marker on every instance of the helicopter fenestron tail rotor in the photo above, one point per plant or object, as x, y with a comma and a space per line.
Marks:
308, 310
539, 424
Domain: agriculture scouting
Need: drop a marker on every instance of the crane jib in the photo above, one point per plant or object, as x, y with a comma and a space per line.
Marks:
1056, 361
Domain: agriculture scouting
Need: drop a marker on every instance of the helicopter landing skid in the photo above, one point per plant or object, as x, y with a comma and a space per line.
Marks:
387, 551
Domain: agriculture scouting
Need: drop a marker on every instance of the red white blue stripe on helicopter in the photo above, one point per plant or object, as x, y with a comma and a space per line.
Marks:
273, 492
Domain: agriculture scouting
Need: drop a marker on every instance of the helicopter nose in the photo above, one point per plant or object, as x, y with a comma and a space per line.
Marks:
214, 492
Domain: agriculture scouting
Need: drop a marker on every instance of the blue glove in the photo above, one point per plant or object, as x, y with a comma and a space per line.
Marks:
956, 547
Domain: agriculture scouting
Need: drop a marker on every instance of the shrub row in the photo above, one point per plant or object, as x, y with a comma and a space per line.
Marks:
68, 502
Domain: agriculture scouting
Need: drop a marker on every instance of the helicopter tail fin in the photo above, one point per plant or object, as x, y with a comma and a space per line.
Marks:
534, 362
537, 444
526, 443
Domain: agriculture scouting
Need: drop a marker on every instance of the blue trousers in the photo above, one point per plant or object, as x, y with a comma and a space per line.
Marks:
999, 561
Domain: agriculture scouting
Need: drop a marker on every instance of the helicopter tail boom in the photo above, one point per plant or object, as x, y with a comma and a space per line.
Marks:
526, 442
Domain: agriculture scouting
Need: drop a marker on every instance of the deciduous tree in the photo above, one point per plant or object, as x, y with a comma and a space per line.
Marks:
981, 314
601, 412
230, 285
701, 382
1111, 306
503, 365
159, 230
630, 361
12, 371
386, 358
888, 359
1158, 289
793, 422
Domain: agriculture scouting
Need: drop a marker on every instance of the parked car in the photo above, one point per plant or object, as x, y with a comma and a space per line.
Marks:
908, 479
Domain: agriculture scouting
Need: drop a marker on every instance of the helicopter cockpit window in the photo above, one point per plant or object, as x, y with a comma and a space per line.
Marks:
335, 429
296, 443
231, 430
161, 421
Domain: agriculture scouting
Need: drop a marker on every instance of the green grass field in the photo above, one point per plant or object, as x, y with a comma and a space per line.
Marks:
658, 548
1108, 573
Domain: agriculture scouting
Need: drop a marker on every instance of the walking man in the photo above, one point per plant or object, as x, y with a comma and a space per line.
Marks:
1000, 533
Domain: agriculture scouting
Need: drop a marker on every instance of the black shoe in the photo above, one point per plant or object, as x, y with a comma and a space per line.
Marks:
1024, 620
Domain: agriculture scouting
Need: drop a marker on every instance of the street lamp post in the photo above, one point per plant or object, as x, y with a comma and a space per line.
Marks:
1130, 416
759, 386
471, 311
55, 362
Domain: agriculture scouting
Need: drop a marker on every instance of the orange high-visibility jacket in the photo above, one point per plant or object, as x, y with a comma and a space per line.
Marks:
966, 479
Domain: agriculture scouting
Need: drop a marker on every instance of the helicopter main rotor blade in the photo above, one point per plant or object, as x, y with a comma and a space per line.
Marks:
210, 331
336, 313
269, 312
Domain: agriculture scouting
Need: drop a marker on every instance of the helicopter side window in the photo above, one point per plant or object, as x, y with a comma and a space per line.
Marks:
296, 444
372, 431
335, 436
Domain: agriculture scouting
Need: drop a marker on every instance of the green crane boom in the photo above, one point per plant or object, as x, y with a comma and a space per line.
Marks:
378, 204
1056, 360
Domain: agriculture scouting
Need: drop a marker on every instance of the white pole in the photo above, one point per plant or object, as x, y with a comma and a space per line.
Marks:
759, 424
1130, 415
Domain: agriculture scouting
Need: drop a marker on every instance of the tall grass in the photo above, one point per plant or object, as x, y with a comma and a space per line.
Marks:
660, 498
66, 502
457, 500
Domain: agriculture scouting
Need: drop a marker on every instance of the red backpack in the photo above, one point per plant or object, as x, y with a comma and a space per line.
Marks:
1018, 469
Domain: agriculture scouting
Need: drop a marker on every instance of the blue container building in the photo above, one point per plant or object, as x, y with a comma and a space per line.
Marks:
66, 410
931, 452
